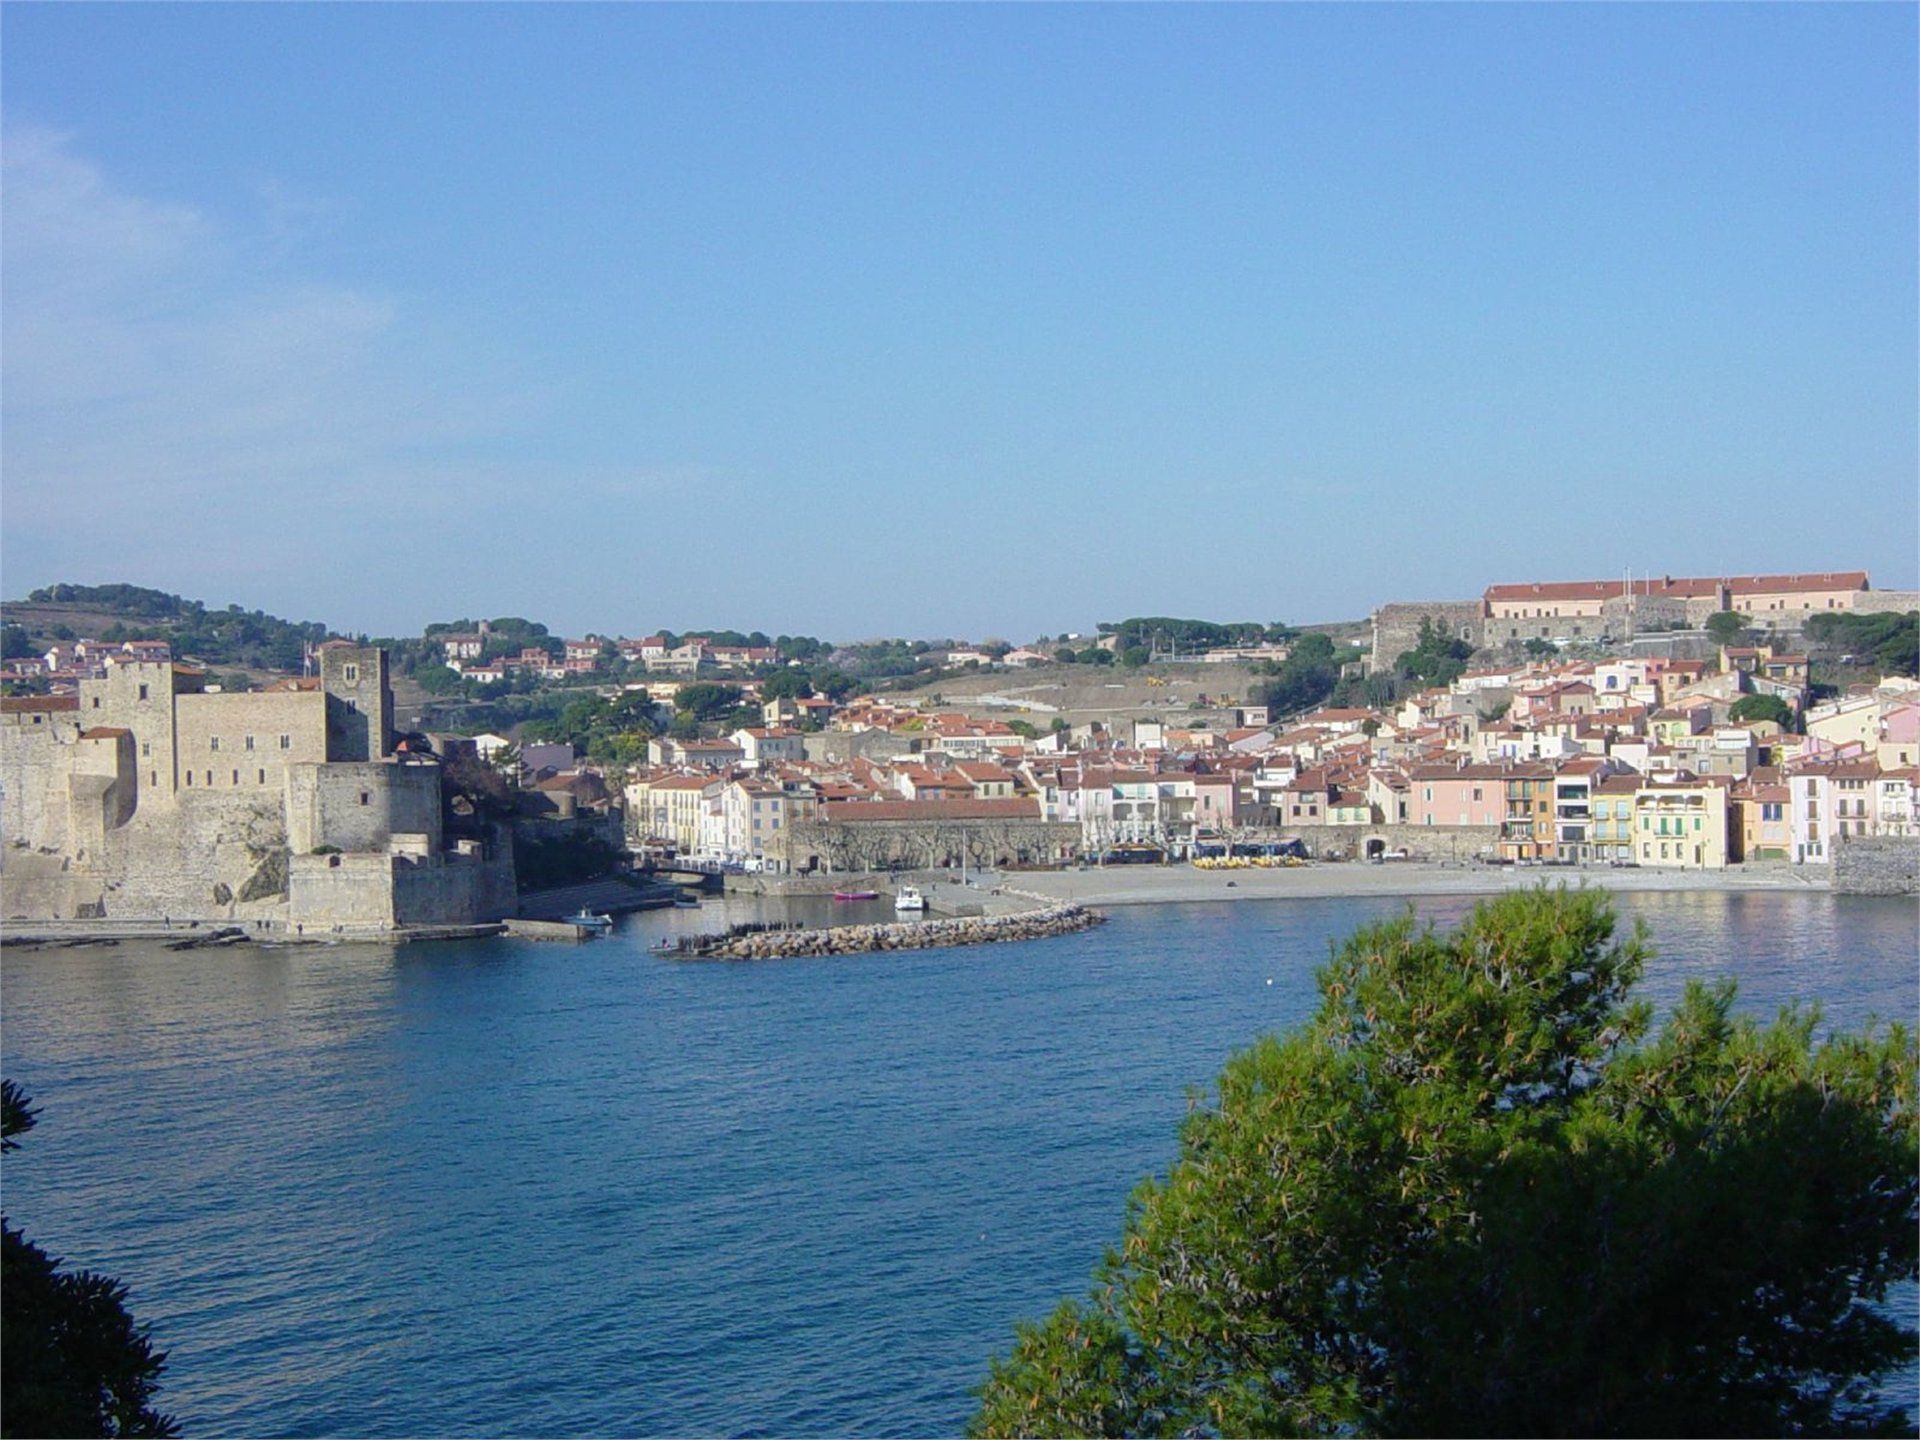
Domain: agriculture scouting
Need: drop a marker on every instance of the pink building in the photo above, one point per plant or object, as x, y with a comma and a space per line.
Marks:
1462, 795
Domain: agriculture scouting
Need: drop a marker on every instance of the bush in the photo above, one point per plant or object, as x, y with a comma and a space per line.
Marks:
1477, 1195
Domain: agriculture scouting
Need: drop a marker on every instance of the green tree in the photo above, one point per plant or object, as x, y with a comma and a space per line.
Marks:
72, 1361
706, 701
1437, 657
836, 685
1887, 641
1134, 656
14, 644
1762, 707
788, 684
1477, 1194
1729, 627
438, 679
1305, 678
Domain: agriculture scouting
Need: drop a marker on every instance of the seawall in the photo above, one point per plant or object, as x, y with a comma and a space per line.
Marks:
753, 944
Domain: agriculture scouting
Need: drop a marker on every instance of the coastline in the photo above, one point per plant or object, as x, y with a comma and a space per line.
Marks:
1181, 884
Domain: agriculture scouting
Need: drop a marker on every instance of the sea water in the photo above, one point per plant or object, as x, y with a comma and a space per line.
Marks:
508, 1187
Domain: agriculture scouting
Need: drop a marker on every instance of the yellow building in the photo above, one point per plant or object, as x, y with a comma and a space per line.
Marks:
1682, 824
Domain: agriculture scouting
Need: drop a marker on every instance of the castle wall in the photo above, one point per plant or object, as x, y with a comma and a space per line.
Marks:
1396, 626
358, 807
328, 890
249, 740
359, 702
97, 817
140, 696
1881, 602
1876, 865
100, 789
33, 795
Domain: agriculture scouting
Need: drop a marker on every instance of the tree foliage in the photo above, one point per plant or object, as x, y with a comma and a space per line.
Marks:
1761, 707
1165, 632
232, 636
1728, 627
1890, 641
612, 730
1304, 679
1477, 1194
1437, 657
72, 1361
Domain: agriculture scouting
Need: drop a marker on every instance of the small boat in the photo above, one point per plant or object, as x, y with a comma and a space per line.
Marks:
686, 900
909, 899
587, 920
856, 894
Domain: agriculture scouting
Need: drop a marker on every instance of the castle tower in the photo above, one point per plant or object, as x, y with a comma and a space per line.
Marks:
359, 701
138, 695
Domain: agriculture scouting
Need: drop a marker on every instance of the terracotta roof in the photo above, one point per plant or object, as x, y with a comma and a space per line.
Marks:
875, 810
1686, 588
105, 732
44, 704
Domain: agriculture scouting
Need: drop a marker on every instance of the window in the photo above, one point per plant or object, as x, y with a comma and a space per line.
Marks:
143, 692
286, 742
214, 743
353, 707
353, 674
236, 777
209, 777
96, 702
189, 777
263, 777
146, 749
365, 798
249, 744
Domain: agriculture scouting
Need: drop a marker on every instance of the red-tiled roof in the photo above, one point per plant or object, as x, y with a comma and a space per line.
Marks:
43, 704
877, 810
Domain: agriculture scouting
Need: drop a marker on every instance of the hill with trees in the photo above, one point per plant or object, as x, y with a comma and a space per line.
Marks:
115, 613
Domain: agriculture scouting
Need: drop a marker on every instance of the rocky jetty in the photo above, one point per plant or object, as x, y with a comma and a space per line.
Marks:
766, 942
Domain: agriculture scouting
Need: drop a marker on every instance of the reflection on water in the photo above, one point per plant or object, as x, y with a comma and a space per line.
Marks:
505, 1186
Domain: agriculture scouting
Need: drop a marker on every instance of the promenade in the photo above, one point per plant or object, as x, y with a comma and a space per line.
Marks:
1172, 884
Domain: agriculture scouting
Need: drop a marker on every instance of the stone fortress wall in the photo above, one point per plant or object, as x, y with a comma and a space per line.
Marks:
1508, 614
145, 797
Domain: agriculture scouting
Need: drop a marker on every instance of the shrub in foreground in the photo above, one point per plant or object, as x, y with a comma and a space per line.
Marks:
1478, 1193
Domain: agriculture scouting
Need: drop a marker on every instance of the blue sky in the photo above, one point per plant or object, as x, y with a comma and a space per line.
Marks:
968, 320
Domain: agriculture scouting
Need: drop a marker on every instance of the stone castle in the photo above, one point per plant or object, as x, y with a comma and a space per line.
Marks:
146, 796
1586, 610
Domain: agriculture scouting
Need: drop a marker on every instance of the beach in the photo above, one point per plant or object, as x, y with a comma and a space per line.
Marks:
1171, 884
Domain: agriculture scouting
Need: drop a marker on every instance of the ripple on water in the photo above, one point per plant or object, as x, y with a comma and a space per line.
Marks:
474, 1188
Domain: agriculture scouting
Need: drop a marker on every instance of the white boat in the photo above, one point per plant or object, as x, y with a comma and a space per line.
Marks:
685, 900
909, 899
587, 920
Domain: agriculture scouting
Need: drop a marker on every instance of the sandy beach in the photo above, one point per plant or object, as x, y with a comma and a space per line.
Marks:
1167, 884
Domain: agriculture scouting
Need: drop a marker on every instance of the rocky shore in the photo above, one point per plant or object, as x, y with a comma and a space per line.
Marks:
752, 942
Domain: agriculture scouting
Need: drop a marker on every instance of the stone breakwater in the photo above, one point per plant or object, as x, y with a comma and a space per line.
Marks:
753, 943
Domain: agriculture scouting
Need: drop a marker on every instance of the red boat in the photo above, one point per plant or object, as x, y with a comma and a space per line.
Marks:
856, 894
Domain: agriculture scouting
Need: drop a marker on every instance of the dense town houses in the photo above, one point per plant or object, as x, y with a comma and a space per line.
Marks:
1631, 761
1589, 757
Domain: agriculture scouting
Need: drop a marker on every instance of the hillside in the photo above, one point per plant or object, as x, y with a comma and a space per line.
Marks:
246, 639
